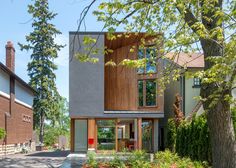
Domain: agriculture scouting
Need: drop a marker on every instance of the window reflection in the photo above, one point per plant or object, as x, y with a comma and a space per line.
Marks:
149, 54
149, 92
106, 135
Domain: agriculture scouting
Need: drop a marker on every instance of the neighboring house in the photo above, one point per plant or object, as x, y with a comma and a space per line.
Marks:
16, 99
187, 88
114, 108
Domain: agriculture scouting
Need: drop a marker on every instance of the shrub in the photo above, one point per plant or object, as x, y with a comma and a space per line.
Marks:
190, 139
116, 162
50, 136
91, 162
2, 133
139, 159
171, 135
169, 159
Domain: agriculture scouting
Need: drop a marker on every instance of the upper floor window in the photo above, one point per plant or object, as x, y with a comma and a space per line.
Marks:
149, 56
196, 82
147, 93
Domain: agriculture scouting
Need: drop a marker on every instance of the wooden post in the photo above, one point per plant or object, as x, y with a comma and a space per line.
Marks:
91, 134
139, 145
116, 140
72, 135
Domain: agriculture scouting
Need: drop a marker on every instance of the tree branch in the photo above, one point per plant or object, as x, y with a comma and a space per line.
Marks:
189, 18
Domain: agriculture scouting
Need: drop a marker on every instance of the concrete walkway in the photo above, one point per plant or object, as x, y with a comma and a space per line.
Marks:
74, 160
45, 159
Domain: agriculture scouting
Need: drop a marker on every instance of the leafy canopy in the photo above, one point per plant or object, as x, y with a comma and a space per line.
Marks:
182, 26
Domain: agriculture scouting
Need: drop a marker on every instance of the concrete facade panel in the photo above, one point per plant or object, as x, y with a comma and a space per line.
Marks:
86, 80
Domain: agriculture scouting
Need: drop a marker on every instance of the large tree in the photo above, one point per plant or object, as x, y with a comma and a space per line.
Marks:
207, 26
41, 41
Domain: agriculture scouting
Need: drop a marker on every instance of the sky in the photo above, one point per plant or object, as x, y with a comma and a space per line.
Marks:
16, 24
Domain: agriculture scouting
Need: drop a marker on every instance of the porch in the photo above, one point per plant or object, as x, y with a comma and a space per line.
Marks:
106, 135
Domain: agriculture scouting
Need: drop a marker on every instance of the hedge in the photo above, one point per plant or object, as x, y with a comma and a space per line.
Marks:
190, 139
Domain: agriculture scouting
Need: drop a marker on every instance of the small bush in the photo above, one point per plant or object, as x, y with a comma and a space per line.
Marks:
91, 162
2, 133
169, 159
116, 162
139, 159
171, 135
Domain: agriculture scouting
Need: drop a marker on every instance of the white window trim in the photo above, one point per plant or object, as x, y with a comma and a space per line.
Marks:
22, 103
5, 94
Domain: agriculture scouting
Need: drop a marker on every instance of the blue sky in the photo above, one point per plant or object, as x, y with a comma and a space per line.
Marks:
15, 25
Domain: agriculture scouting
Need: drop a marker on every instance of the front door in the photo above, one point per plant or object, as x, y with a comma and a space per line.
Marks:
147, 135
81, 135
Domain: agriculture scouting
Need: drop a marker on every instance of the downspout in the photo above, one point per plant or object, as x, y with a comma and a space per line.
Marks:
183, 85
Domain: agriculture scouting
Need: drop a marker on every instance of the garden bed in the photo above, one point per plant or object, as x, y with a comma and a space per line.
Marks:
140, 159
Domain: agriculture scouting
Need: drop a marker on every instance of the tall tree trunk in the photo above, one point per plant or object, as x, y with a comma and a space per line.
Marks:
41, 128
218, 117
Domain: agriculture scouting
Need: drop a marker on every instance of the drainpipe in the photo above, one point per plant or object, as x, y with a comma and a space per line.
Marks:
183, 94
5, 138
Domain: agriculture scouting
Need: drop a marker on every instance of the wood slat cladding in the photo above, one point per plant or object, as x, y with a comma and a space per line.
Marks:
121, 83
126, 39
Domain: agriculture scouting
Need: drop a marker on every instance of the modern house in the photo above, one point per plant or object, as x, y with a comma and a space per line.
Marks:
114, 107
16, 113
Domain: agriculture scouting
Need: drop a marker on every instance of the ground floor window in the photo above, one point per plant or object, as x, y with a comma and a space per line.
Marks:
106, 135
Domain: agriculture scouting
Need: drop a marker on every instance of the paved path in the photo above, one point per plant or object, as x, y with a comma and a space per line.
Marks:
45, 159
74, 161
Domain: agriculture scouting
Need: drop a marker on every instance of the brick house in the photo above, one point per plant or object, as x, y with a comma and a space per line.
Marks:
16, 100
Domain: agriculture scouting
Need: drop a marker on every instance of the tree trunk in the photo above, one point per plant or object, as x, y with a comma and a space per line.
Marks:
41, 128
218, 117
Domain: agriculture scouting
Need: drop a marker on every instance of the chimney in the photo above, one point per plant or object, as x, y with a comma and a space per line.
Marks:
10, 56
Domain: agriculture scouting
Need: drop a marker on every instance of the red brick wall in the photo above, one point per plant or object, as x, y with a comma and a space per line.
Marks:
18, 130
21, 131
4, 107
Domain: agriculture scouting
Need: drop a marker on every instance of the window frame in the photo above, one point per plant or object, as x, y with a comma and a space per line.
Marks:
145, 57
196, 84
144, 76
145, 94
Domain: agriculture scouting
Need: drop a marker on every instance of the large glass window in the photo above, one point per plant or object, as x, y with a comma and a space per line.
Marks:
140, 92
149, 57
147, 93
106, 134
150, 93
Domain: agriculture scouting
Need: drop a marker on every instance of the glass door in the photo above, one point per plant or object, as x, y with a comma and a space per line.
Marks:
147, 135
126, 134
81, 136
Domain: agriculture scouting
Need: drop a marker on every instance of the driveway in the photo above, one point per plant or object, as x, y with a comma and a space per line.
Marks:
44, 159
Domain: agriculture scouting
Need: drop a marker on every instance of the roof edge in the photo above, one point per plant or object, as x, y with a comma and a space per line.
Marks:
8, 71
